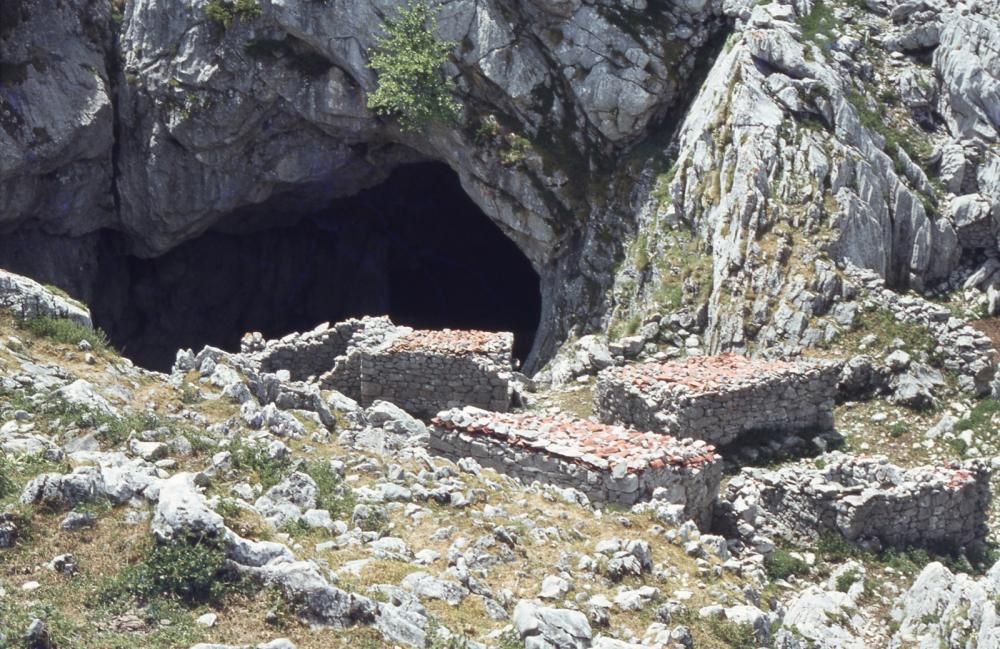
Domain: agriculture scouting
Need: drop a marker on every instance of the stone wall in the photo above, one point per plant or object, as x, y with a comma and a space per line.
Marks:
421, 371
937, 507
610, 464
313, 353
425, 372
718, 398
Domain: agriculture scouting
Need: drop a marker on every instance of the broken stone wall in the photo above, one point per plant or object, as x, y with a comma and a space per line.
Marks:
325, 348
940, 508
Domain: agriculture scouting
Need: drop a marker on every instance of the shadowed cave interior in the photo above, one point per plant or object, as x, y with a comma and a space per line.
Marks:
414, 247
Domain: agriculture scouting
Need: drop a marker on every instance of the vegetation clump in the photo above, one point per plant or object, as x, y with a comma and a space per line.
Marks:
408, 60
781, 564
62, 330
225, 12
189, 571
331, 492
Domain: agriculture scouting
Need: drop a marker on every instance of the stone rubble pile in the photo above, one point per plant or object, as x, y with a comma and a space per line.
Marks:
865, 500
607, 463
718, 398
964, 350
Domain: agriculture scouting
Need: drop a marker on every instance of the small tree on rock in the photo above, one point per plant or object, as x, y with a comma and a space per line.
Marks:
409, 60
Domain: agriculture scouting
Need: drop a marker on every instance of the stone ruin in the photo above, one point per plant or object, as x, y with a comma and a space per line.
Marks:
719, 398
943, 508
421, 371
610, 464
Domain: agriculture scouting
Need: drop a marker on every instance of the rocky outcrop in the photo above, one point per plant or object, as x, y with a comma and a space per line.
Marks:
787, 159
216, 124
56, 115
28, 299
780, 171
944, 608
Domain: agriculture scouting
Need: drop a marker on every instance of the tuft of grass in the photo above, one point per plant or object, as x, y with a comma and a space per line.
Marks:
818, 23
516, 148
835, 548
731, 634
980, 418
224, 12
781, 565
253, 459
846, 580
331, 494
7, 486
898, 429
62, 330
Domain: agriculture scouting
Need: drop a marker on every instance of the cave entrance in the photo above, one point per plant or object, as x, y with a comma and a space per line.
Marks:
415, 248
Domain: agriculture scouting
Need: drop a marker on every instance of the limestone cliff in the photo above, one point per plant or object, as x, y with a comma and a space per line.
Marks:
641, 165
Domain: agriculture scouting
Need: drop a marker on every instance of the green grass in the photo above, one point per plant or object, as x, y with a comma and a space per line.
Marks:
224, 12
734, 636
7, 485
886, 328
819, 22
190, 571
898, 429
980, 418
332, 494
65, 331
782, 565
661, 188
268, 471
846, 580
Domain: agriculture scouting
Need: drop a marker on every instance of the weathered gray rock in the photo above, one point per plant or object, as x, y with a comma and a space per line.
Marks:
940, 604
28, 299
182, 513
56, 115
551, 628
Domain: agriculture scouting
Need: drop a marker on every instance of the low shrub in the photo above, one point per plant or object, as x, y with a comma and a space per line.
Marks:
782, 565
191, 571
62, 330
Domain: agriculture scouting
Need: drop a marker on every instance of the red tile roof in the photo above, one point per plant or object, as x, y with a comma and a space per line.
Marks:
700, 373
584, 442
453, 342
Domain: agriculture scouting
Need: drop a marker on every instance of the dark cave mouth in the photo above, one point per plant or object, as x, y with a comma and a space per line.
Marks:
415, 248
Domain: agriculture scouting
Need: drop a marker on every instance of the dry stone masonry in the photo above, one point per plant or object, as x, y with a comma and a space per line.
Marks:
424, 372
324, 349
421, 371
608, 463
718, 398
862, 499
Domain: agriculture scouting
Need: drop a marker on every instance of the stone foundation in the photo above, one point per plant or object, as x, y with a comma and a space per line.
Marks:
421, 371
719, 398
610, 464
941, 508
